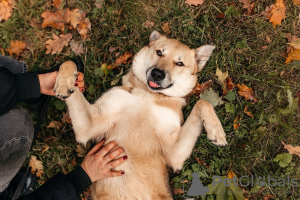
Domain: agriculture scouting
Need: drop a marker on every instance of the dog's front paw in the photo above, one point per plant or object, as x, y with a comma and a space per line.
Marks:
65, 81
215, 133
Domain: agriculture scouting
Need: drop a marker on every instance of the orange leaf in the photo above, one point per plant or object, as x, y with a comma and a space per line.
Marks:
294, 55
123, 58
73, 16
278, 13
246, 92
194, 2
148, 24
177, 191
56, 3
55, 20
199, 89
58, 43
55, 124
229, 85
297, 2
236, 125
248, 112
231, 175
6, 9
16, 47
166, 28
36, 166
83, 28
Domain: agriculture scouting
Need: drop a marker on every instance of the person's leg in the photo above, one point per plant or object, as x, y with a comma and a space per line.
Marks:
13, 65
16, 135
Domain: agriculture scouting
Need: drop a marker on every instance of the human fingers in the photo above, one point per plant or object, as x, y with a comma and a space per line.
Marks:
82, 89
79, 84
106, 149
116, 162
115, 173
97, 147
80, 76
112, 155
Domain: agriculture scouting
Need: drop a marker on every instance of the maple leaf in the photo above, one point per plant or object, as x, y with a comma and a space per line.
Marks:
246, 92
235, 124
6, 9
72, 17
16, 47
278, 13
292, 150
36, 166
58, 43
148, 24
55, 20
55, 124
76, 48
56, 3
221, 76
294, 55
83, 28
248, 112
194, 2
166, 28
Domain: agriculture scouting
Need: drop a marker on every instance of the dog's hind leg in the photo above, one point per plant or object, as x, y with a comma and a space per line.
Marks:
202, 114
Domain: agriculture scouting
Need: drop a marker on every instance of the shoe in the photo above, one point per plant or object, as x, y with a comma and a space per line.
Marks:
28, 187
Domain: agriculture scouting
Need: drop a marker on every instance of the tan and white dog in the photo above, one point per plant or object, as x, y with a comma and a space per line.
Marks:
144, 116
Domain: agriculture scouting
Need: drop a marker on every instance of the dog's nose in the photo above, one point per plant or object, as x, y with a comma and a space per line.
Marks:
158, 74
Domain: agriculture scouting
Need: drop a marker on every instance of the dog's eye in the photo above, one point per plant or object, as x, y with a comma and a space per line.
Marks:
159, 53
180, 64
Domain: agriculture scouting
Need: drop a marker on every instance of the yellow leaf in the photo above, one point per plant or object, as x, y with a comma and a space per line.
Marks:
292, 150
294, 55
221, 76
231, 175
235, 124
278, 13
16, 47
36, 166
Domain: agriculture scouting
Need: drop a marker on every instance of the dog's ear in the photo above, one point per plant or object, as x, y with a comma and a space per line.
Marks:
155, 35
202, 55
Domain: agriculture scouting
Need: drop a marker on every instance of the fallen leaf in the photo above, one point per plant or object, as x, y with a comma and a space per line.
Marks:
291, 39
201, 162
56, 3
292, 150
45, 148
55, 124
148, 24
99, 3
66, 118
267, 13
297, 2
231, 175
248, 112
221, 15
221, 76
199, 89
166, 28
81, 150
6, 9
76, 48
16, 47
72, 17
55, 20
229, 85
296, 44
212, 97
249, 6
294, 55
246, 92
194, 2
278, 13
123, 58
36, 166
73, 162
235, 124
177, 191
83, 28
298, 95
57, 44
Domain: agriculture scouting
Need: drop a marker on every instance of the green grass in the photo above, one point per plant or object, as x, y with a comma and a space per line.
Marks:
238, 39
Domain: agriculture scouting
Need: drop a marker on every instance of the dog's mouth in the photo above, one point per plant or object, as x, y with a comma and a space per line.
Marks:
155, 86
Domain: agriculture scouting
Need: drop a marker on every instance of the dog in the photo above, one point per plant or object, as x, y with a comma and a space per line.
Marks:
144, 116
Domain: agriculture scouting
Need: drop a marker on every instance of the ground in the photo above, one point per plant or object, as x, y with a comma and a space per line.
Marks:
247, 46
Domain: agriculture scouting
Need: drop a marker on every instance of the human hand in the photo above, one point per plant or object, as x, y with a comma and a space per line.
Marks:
99, 161
47, 82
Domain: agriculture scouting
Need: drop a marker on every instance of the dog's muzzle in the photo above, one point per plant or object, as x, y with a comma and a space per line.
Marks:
157, 79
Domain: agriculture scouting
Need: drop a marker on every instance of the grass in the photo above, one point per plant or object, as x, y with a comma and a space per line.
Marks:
239, 41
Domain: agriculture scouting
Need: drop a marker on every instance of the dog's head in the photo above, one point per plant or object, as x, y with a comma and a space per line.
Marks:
169, 67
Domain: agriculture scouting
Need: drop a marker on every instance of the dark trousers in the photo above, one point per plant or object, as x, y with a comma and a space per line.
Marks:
16, 132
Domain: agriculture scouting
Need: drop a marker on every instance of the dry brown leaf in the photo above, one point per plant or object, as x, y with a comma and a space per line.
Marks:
123, 58
177, 191
221, 76
56, 3
83, 28
292, 150
221, 15
148, 24
36, 166
99, 3
73, 17
57, 44
82, 151
298, 95
294, 55
194, 2
66, 118
55, 20
229, 85
267, 13
16, 47
55, 124
246, 92
249, 6
73, 162
199, 89
45, 148
6, 7
248, 112
295, 44
76, 48
291, 39
235, 124
166, 28
278, 13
